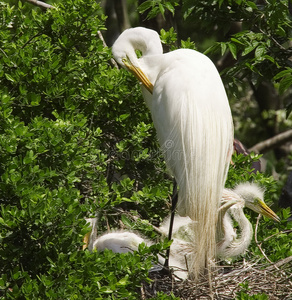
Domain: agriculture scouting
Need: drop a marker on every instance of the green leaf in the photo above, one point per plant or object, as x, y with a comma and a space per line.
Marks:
9, 77
233, 49
248, 49
220, 3
252, 5
170, 7
161, 9
285, 83
282, 74
124, 280
145, 6
260, 51
223, 48
236, 41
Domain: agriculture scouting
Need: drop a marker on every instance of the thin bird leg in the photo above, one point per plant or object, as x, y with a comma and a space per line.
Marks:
174, 199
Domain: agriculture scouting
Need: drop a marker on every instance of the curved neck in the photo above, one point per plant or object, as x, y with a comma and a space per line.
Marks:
239, 245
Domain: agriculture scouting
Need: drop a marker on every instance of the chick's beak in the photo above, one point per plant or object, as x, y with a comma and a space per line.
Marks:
138, 74
86, 240
266, 211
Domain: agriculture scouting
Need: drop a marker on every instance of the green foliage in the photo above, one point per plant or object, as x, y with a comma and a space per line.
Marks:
85, 275
169, 38
75, 138
244, 294
260, 48
162, 296
156, 7
242, 170
274, 238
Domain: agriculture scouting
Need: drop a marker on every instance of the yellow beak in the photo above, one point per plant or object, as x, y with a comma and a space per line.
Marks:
139, 74
266, 211
86, 240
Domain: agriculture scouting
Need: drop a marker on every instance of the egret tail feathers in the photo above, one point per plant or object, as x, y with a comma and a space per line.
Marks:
205, 143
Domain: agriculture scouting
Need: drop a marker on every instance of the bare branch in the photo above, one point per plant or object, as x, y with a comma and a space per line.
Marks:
256, 239
113, 62
273, 142
40, 4
280, 263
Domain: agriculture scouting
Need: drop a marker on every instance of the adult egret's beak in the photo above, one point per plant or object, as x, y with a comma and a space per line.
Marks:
139, 74
266, 211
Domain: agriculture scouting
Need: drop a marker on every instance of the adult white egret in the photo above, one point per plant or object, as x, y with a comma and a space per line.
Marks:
229, 243
192, 117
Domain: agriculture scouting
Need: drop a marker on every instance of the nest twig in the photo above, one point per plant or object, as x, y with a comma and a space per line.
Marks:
274, 280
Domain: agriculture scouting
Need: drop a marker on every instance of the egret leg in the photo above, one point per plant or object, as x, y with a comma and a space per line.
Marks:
174, 199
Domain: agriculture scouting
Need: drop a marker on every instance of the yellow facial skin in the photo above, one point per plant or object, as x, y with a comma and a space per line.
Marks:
138, 74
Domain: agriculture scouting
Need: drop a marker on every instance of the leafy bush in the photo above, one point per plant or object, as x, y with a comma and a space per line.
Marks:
74, 138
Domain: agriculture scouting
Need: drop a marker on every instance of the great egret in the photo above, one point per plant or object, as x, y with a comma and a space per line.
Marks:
192, 117
229, 243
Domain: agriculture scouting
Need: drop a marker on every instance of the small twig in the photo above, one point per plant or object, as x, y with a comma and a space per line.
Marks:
135, 218
272, 38
14, 65
256, 239
275, 234
143, 296
113, 62
33, 37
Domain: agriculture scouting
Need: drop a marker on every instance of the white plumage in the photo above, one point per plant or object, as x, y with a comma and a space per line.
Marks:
229, 242
125, 241
192, 117
119, 242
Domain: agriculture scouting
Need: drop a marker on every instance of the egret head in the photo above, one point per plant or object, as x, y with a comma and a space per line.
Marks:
124, 51
253, 196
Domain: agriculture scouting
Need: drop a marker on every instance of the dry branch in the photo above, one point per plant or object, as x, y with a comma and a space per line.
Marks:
40, 4
113, 62
273, 142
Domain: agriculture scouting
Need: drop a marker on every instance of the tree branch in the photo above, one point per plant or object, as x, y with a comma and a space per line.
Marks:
273, 142
113, 62
40, 4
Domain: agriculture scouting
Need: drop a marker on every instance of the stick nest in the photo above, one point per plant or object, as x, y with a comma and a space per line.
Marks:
273, 279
